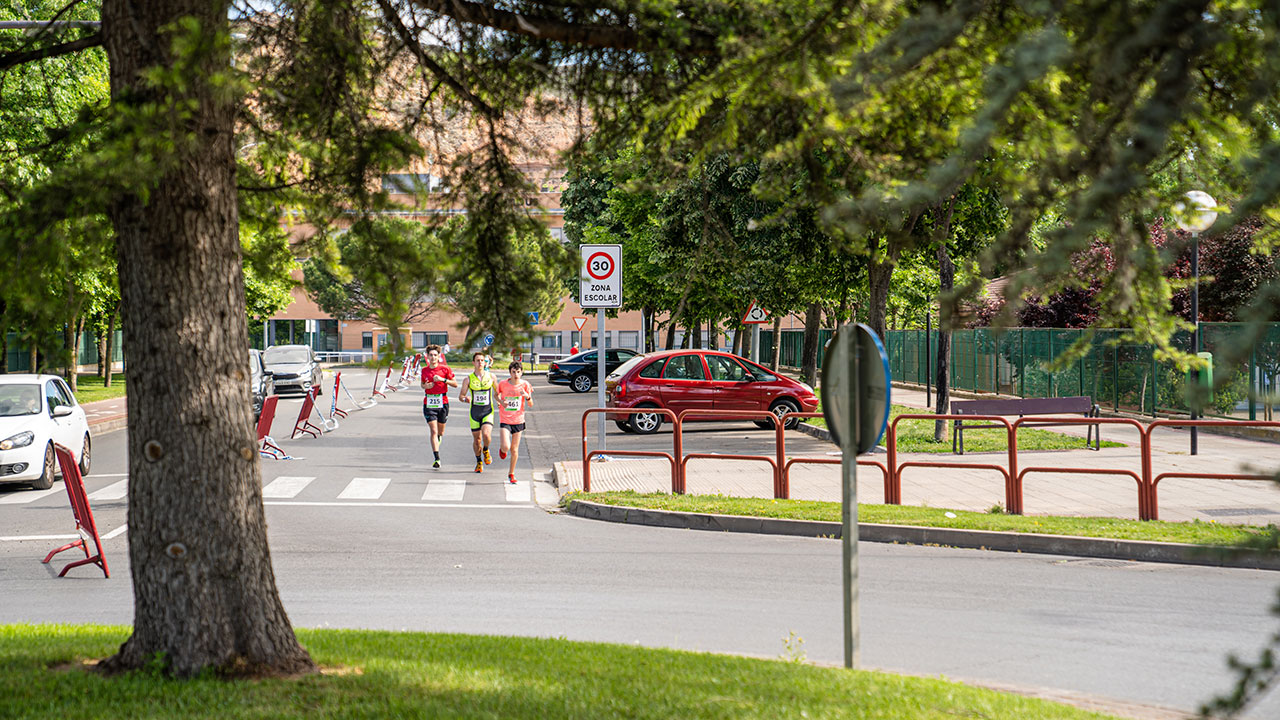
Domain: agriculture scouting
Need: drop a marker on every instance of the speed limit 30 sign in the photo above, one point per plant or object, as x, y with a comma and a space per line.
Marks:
600, 281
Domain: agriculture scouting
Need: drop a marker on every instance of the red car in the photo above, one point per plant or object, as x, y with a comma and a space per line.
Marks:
681, 379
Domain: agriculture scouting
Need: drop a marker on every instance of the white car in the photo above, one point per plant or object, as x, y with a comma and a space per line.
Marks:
37, 411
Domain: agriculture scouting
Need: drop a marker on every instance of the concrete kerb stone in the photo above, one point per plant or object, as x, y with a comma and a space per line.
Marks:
1136, 550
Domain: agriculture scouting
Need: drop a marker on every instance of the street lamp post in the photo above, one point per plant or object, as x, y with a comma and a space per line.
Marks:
1195, 216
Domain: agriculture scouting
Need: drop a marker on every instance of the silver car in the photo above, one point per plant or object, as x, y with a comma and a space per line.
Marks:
293, 367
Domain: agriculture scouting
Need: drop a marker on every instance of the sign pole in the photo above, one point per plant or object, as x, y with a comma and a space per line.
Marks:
755, 342
849, 507
600, 373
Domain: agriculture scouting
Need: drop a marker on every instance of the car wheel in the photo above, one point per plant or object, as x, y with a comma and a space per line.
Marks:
45, 481
763, 424
784, 406
646, 423
86, 457
624, 425
581, 383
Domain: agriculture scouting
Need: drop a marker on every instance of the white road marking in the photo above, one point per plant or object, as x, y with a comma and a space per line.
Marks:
24, 497
502, 506
445, 490
115, 533
114, 491
20, 538
107, 475
286, 486
518, 492
363, 488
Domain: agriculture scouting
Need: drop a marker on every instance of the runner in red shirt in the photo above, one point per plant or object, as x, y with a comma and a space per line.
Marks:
437, 378
513, 395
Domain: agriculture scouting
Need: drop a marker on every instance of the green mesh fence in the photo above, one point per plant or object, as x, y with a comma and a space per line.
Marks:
18, 356
1119, 375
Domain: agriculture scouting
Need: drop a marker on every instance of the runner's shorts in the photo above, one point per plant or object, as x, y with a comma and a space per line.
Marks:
514, 427
440, 414
481, 415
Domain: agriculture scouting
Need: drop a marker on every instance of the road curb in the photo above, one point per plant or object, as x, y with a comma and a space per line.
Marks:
110, 424
1137, 550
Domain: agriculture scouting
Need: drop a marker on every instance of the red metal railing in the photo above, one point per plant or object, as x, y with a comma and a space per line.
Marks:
1138, 477
712, 413
786, 464
1153, 481
676, 485
1012, 500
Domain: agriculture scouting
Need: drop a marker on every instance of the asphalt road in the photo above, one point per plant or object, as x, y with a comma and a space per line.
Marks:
420, 557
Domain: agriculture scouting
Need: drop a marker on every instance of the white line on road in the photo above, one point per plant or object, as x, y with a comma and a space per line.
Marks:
518, 491
286, 486
115, 533
399, 505
445, 490
22, 498
106, 475
362, 488
114, 491
20, 538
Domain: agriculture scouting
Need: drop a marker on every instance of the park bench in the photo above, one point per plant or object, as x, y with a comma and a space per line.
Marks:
1022, 407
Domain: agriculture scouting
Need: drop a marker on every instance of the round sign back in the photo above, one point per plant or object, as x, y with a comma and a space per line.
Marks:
873, 382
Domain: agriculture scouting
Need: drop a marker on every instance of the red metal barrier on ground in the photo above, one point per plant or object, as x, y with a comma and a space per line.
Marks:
671, 457
304, 424
1153, 481
1013, 501
786, 464
712, 413
267, 446
378, 387
1139, 477
85, 526
333, 407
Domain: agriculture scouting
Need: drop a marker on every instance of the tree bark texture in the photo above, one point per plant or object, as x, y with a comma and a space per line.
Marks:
777, 342
204, 590
946, 280
809, 358
111, 345
71, 346
697, 334
879, 276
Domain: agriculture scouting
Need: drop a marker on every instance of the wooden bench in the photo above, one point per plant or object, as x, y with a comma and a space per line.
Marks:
1021, 407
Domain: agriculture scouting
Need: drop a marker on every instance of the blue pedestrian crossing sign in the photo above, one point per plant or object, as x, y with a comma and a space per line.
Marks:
488, 339
533, 318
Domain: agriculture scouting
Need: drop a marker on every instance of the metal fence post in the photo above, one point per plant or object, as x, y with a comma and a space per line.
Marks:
1253, 369
1115, 373
1022, 362
1154, 379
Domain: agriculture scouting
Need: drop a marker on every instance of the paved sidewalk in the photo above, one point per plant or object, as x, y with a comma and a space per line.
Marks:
1224, 501
105, 416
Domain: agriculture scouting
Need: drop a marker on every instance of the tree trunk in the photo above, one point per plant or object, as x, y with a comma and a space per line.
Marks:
713, 334
946, 279
735, 347
204, 590
647, 327
69, 346
777, 342
111, 344
879, 276
696, 329
809, 359
35, 356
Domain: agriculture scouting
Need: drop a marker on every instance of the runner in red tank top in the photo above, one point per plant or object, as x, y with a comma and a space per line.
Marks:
437, 378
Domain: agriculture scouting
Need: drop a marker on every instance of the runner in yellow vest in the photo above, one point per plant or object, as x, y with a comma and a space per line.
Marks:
478, 390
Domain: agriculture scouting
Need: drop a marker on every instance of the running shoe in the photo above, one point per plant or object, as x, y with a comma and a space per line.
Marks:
436, 465
502, 454
511, 479
479, 467
487, 460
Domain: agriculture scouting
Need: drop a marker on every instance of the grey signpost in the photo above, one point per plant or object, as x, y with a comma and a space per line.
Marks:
855, 403
600, 287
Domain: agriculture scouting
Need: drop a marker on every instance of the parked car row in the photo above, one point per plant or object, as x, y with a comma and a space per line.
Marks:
581, 372
37, 411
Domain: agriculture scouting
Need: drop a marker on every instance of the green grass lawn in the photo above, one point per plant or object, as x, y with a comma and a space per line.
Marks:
1197, 533
414, 675
917, 436
89, 388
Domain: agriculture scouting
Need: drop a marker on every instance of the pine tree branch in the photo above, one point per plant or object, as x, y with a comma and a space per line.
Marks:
602, 36
411, 42
14, 59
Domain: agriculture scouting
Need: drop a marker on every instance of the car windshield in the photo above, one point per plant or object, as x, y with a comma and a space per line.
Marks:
18, 400
626, 366
286, 355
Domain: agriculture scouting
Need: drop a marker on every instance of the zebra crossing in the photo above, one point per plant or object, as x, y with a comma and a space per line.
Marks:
440, 491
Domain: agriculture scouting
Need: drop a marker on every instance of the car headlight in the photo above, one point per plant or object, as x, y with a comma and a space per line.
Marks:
22, 439
806, 387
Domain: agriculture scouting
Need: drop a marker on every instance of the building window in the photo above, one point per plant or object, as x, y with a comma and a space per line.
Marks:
366, 340
608, 339
551, 341
629, 339
407, 182
557, 233
575, 339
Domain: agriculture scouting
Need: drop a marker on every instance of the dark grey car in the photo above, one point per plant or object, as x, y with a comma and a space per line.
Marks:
261, 382
293, 367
